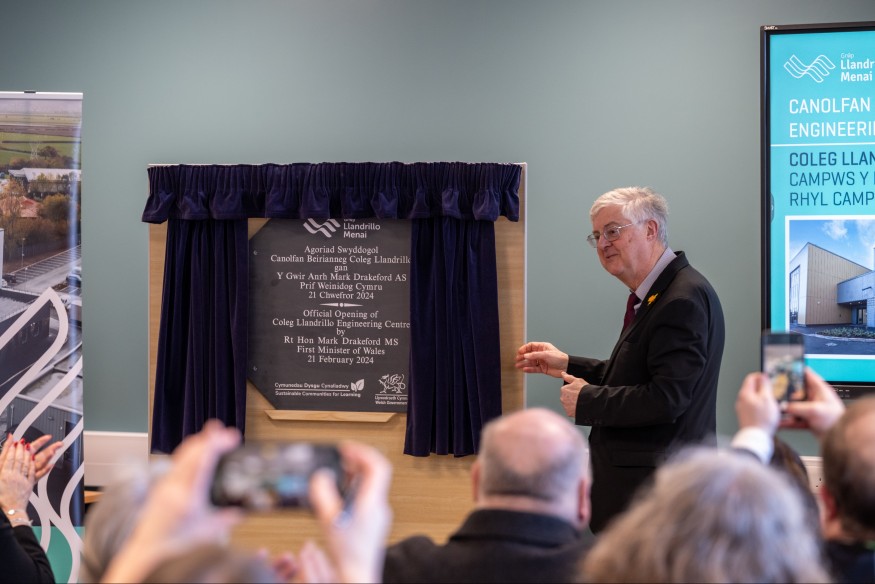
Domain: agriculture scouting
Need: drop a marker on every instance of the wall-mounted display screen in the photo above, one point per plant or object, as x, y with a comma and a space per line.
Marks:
818, 195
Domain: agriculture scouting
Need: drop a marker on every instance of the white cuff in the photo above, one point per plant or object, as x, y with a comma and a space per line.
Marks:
755, 440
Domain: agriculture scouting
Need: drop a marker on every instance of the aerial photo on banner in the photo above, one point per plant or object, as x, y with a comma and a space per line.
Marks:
41, 305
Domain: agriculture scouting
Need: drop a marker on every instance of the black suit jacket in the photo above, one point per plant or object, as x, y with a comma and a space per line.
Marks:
492, 545
657, 391
21, 557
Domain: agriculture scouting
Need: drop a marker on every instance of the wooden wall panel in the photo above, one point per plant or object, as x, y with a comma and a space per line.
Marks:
825, 271
157, 245
429, 495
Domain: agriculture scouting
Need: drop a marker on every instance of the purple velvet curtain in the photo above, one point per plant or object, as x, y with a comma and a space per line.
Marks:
204, 309
455, 378
455, 366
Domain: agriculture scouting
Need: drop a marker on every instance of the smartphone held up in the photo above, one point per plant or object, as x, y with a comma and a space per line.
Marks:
783, 360
271, 475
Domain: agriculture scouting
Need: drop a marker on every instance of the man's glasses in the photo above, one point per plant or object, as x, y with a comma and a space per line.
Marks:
611, 234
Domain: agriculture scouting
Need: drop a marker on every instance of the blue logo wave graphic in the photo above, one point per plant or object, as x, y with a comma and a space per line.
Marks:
818, 70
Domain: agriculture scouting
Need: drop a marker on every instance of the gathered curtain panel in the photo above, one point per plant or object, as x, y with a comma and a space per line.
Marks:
455, 362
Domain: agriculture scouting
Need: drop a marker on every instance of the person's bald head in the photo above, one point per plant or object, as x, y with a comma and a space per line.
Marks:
533, 457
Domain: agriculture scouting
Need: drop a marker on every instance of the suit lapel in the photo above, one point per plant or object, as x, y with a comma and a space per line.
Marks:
662, 283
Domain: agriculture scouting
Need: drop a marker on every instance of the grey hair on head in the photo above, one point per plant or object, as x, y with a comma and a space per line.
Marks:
638, 204
110, 521
534, 453
710, 516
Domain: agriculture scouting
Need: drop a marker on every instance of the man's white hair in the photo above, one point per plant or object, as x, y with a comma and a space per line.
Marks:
638, 204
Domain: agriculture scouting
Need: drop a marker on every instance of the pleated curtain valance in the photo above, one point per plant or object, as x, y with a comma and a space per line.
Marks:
455, 363
347, 190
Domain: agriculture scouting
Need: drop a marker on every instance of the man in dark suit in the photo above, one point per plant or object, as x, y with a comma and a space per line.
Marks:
658, 389
531, 492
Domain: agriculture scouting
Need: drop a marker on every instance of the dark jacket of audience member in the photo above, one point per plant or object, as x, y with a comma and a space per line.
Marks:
492, 545
21, 557
531, 486
851, 563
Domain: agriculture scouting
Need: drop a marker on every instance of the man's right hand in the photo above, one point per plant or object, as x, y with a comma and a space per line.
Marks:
541, 358
819, 411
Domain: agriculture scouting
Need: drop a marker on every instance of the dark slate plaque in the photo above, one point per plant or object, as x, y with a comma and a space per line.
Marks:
329, 309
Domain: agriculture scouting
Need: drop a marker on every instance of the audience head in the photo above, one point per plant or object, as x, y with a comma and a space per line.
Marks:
848, 452
710, 516
110, 520
786, 460
179, 530
213, 564
177, 515
534, 460
638, 204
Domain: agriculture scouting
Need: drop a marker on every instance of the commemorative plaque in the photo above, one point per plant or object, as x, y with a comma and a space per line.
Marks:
329, 314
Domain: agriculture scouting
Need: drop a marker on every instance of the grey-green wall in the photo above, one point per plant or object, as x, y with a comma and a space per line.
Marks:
592, 95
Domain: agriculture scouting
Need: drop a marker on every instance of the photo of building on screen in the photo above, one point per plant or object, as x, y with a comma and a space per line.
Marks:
831, 286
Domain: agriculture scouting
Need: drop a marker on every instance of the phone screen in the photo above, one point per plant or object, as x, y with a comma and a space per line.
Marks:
783, 360
268, 475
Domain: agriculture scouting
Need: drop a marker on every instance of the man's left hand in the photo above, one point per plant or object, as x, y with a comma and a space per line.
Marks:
569, 393
755, 405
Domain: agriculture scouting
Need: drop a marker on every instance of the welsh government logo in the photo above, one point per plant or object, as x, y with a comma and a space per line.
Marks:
818, 70
393, 382
326, 228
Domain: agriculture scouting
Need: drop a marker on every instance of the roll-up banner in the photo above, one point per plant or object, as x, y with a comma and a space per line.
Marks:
41, 305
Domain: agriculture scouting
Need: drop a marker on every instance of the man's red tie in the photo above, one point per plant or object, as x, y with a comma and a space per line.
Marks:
630, 310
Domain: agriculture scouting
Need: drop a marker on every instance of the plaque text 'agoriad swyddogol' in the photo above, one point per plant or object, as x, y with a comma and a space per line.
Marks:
329, 314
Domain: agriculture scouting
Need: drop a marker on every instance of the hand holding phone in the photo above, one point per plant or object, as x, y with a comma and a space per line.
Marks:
270, 475
783, 360
356, 530
755, 406
822, 408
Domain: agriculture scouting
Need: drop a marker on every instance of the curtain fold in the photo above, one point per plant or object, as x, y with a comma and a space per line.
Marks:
202, 353
202, 341
455, 362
